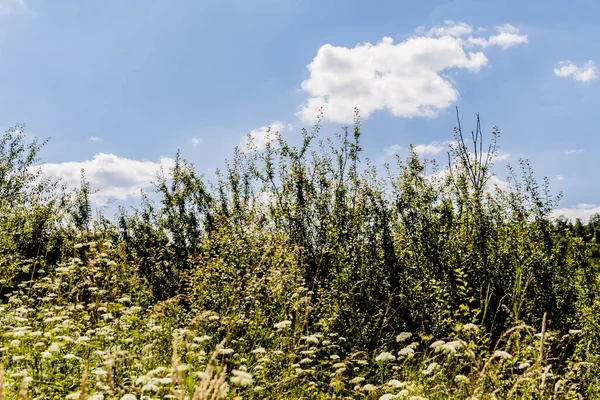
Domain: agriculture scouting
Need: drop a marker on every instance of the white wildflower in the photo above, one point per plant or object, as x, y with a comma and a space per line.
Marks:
430, 368
226, 352
202, 339
142, 380
150, 387
502, 354
403, 336
82, 339
395, 383
283, 325
450, 347
54, 348
156, 371
407, 351
311, 339
241, 378
99, 372
385, 356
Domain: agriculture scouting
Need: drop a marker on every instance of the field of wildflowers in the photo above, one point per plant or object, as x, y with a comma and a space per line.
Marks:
427, 284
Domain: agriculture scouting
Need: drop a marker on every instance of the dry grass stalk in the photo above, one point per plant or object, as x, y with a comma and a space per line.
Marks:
543, 338
110, 377
1, 382
175, 370
82, 391
213, 385
24, 388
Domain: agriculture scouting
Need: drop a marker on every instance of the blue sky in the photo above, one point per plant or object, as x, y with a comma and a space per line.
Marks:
119, 86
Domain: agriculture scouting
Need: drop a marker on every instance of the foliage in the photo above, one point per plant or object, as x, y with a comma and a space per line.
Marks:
301, 271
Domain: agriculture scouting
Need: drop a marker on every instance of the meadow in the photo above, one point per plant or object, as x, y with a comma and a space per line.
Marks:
300, 272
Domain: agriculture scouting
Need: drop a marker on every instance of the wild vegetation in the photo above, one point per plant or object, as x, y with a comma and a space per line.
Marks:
299, 273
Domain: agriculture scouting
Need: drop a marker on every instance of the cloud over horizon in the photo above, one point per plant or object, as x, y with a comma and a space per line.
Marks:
579, 211
114, 177
258, 138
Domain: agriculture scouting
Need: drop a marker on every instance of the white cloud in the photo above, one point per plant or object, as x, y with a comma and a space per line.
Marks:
257, 139
436, 148
113, 176
573, 151
440, 176
407, 78
586, 72
95, 139
560, 178
581, 211
196, 141
392, 150
451, 28
507, 36
432, 148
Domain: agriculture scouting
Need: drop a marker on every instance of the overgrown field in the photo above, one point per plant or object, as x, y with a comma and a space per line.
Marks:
299, 273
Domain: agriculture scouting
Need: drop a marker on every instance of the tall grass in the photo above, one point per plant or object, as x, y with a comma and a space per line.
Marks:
301, 272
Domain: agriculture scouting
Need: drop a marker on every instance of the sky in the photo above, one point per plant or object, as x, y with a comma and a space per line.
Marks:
120, 86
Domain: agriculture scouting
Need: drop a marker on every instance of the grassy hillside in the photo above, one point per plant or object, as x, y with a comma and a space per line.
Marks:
300, 273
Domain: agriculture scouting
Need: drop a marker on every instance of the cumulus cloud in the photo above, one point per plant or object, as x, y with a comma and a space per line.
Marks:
432, 148
581, 211
560, 178
451, 28
408, 78
196, 141
114, 177
95, 139
507, 36
585, 73
257, 139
